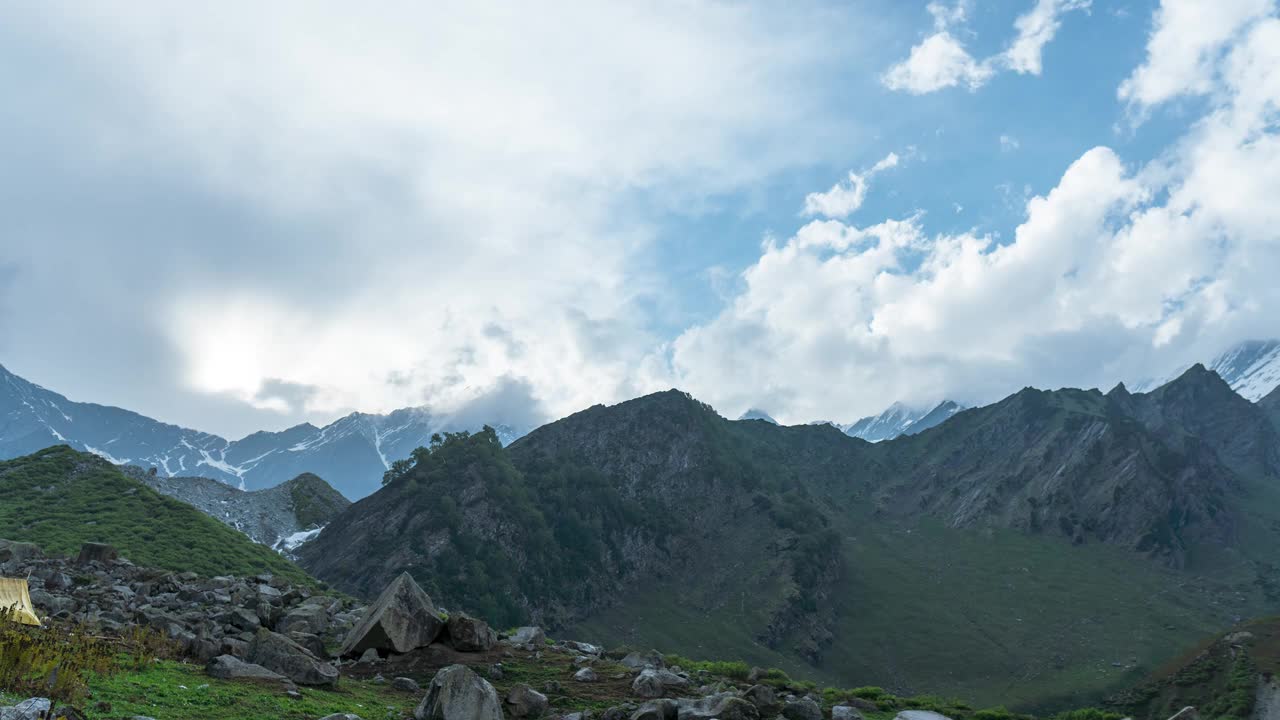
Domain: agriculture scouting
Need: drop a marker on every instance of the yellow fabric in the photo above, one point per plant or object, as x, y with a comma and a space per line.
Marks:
15, 602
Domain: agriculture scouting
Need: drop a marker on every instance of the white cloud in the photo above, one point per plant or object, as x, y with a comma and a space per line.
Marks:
1035, 29
1185, 46
1115, 273
847, 196
1009, 143
941, 60
333, 198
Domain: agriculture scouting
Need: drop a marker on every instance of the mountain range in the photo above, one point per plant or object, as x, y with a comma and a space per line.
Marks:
900, 419
1053, 543
351, 453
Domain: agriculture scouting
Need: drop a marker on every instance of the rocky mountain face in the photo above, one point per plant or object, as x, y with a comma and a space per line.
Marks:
352, 452
1154, 473
581, 509
1271, 406
899, 419
281, 517
1251, 368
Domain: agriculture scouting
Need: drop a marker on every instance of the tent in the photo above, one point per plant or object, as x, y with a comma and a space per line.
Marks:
15, 602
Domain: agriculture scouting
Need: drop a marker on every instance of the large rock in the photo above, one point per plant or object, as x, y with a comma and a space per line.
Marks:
725, 706
920, 715
96, 552
802, 709
845, 712
468, 634
663, 709
765, 700
525, 702
33, 709
528, 635
401, 619
457, 693
19, 552
656, 683
277, 652
226, 667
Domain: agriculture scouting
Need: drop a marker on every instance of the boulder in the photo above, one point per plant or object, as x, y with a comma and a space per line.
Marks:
528, 635
804, 709
845, 712
277, 652
401, 619
920, 715
725, 706
96, 552
640, 661
525, 702
586, 674
765, 700
656, 683
468, 634
226, 667
406, 684
457, 693
32, 709
663, 709
341, 716
19, 552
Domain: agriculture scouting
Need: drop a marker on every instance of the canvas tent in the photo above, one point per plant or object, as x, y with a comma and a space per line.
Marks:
15, 602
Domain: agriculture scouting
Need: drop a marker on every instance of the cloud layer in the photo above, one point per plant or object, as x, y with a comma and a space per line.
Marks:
1117, 272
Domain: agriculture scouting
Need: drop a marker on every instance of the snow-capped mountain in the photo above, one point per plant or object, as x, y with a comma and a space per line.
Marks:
900, 419
350, 453
1251, 368
757, 414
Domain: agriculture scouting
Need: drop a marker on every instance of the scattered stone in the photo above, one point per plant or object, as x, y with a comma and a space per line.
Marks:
341, 716
370, 657
401, 619
277, 652
468, 634
586, 674
525, 702
640, 661
457, 693
496, 672
406, 684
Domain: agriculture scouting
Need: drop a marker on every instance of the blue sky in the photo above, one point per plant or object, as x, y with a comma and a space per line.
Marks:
235, 219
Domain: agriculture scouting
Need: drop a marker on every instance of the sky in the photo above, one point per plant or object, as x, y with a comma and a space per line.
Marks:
241, 217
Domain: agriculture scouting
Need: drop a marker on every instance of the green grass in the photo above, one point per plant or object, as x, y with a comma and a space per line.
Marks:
996, 618
59, 498
177, 691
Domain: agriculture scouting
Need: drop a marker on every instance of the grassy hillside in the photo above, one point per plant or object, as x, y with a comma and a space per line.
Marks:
59, 498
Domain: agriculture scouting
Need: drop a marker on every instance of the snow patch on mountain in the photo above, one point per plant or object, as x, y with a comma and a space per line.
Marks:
900, 419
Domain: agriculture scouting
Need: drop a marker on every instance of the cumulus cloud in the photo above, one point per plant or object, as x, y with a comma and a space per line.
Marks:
846, 196
1115, 272
235, 197
1185, 47
941, 61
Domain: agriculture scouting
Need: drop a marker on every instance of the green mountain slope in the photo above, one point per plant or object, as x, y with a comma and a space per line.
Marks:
1041, 551
59, 498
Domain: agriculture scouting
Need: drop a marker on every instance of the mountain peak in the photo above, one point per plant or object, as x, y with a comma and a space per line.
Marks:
757, 414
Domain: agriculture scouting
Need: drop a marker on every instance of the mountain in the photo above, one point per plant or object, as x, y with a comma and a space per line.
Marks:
352, 452
900, 419
281, 517
1065, 540
59, 498
1271, 406
1233, 675
757, 414
1251, 368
